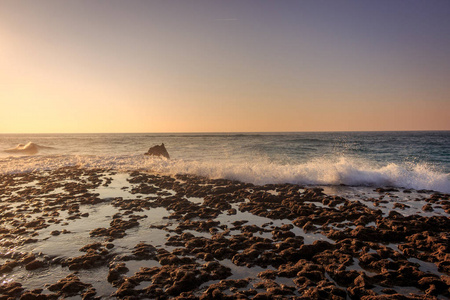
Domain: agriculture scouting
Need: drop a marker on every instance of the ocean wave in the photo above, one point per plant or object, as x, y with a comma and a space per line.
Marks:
342, 170
27, 149
318, 172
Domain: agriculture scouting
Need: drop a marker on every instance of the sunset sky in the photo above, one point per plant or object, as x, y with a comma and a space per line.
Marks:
224, 66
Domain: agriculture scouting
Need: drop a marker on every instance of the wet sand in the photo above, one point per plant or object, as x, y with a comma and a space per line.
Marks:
97, 234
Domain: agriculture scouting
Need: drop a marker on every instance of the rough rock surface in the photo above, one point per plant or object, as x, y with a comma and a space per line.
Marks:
158, 150
309, 246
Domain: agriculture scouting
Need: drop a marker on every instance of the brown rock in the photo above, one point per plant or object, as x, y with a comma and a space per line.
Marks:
11, 289
7, 267
427, 207
35, 264
158, 150
69, 286
115, 271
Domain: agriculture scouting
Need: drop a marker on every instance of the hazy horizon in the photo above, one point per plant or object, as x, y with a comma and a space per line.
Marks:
224, 132
224, 66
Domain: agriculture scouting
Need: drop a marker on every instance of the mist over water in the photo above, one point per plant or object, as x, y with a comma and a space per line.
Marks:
418, 160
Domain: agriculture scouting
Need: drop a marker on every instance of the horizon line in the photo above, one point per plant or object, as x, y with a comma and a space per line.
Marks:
228, 132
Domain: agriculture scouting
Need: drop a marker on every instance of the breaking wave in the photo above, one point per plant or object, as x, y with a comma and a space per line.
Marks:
26, 149
352, 172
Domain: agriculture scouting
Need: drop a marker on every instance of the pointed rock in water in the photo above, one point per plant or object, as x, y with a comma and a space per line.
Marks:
158, 150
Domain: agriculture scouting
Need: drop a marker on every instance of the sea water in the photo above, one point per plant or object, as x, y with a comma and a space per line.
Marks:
412, 160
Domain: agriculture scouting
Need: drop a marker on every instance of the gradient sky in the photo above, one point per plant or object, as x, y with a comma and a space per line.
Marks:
224, 66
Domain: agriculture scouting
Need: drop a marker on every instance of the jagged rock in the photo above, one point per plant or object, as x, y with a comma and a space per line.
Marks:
158, 150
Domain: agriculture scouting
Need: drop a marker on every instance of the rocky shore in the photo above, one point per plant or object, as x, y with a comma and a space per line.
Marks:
98, 234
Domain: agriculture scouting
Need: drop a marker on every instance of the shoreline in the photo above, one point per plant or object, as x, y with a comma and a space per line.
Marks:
210, 238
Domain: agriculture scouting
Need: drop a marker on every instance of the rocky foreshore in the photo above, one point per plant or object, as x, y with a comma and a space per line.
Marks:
97, 234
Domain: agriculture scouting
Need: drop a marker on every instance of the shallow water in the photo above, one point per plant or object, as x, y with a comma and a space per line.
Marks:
101, 214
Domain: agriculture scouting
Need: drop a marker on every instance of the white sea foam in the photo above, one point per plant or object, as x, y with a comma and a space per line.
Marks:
338, 171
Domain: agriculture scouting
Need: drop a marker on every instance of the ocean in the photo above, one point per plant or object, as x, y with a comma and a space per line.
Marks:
102, 218
410, 160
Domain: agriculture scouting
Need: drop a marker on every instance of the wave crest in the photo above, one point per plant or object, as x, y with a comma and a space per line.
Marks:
28, 149
343, 170
319, 172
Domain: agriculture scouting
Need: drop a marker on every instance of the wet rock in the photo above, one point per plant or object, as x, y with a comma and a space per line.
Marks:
126, 289
216, 270
89, 294
427, 207
308, 227
232, 211
246, 257
282, 234
289, 243
144, 251
69, 286
317, 270
400, 205
11, 289
308, 251
7, 267
35, 264
386, 190
120, 224
343, 277
27, 258
115, 272
96, 255
433, 286
94, 246
29, 295
158, 150
268, 274
359, 292
171, 259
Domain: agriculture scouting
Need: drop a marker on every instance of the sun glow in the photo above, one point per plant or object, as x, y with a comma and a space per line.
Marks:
164, 67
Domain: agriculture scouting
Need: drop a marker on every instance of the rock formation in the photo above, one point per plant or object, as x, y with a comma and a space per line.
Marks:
158, 150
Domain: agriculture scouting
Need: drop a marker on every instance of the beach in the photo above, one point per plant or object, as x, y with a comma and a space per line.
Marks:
224, 150
74, 232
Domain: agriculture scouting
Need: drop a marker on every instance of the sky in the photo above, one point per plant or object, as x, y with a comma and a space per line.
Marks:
224, 66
